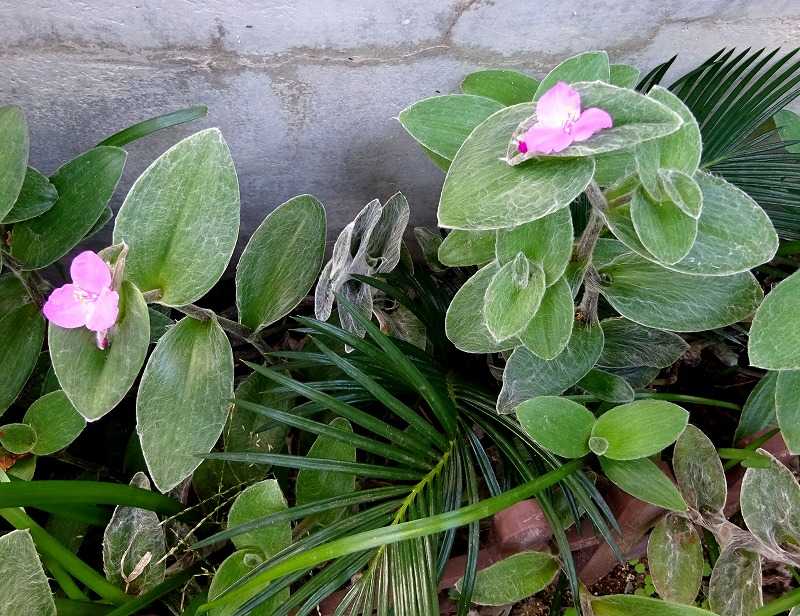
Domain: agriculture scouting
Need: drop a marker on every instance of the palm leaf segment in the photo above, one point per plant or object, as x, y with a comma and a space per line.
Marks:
422, 461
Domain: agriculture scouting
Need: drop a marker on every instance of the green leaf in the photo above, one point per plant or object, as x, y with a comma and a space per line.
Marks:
482, 191
682, 190
546, 241
281, 261
636, 118
13, 293
513, 297
643, 479
22, 333
623, 75
675, 557
629, 345
640, 429
148, 127
664, 229
788, 124
57, 423
770, 502
632, 605
557, 424
187, 382
464, 323
97, 380
257, 501
653, 296
502, 85
134, 544
17, 438
548, 332
774, 342
13, 157
442, 123
647, 155
527, 376
729, 218
682, 149
787, 407
189, 193
734, 588
232, 569
159, 324
36, 197
758, 413
23, 583
513, 579
587, 66
699, 473
314, 485
462, 248
85, 185
606, 386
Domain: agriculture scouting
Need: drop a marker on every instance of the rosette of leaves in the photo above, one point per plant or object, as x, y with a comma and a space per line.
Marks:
369, 245
683, 241
399, 448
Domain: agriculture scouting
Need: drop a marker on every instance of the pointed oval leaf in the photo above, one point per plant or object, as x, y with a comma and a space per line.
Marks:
548, 332
643, 479
787, 407
632, 605
22, 333
527, 376
281, 261
482, 191
57, 423
682, 149
758, 413
17, 438
733, 233
606, 386
557, 424
675, 557
257, 501
461, 248
505, 86
770, 503
774, 341
586, 66
513, 297
682, 190
734, 588
629, 345
546, 241
13, 155
186, 384
232, 569
513, 579
623, 75
134, 544
699, 473
653, 296
442, 123
36, 197
314, 485
464, 323
97, 380
23, 583
181, 219
641, 428
662, 227
85, 186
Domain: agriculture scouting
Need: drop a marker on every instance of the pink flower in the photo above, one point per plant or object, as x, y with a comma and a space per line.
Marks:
89, 301
560, 122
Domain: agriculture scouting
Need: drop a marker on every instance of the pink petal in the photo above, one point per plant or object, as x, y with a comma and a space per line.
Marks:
591, 121
105, 310
544, 139
65, 308
559, 105
90, 272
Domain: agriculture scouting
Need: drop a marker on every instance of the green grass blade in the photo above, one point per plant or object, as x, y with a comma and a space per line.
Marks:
148, 127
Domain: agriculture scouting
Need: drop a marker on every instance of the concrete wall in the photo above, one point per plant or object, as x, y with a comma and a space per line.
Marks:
305, 91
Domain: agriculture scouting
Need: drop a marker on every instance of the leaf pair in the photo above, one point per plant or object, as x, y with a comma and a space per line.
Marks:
50, 424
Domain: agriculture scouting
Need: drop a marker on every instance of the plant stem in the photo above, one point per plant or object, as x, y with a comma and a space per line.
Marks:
782, 604
51, 548
237, 330
587, 310
30, 288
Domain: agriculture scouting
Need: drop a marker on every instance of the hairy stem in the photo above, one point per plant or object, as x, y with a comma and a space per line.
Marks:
237, 330
587, 310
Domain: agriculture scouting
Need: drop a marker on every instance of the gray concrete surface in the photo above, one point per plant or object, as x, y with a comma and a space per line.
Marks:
305, 91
